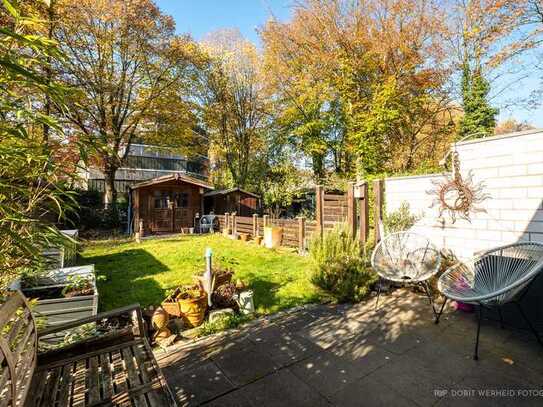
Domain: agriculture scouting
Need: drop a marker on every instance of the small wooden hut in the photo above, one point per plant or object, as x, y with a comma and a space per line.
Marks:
167, 204
220, 201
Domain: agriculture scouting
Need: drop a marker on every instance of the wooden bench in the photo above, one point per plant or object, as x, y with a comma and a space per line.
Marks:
115, 369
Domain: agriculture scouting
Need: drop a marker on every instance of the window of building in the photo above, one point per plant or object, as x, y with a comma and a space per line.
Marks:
162, 200
182, 200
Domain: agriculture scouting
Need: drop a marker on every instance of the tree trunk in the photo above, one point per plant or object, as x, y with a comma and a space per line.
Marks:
318, 165
110, 196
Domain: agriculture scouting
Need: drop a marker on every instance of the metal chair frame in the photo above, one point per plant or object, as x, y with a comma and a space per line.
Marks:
402, 278
511, 293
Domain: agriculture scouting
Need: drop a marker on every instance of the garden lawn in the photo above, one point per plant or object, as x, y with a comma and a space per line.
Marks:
146, 272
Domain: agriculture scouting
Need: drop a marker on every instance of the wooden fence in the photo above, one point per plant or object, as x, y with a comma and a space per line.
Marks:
331, 209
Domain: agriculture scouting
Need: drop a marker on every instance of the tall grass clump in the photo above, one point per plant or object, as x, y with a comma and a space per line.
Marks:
338, 265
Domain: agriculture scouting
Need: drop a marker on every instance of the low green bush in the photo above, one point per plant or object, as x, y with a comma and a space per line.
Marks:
401, 219
339, 267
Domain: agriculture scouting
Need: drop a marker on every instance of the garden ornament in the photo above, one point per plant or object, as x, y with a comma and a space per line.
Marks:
160, 324
208, 276
245, 302
456, 195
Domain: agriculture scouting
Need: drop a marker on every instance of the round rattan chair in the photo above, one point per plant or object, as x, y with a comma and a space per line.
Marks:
492, 279
407, 258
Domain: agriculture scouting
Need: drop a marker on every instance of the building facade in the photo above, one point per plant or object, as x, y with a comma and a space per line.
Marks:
145, 162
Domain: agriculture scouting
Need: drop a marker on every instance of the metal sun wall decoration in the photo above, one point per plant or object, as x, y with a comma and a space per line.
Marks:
457, 196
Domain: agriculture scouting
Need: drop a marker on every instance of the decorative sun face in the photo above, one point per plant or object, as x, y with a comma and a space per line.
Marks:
458, 197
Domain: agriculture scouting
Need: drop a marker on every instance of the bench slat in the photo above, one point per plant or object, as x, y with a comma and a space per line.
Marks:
93, 380
65, 385
149, 375
105, 376
51, 388
119, 374
133, 376
80, 383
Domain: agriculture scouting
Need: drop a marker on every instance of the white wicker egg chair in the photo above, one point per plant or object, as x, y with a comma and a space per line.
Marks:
407, 258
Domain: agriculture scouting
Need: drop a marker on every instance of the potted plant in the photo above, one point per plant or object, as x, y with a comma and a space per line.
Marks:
189, 303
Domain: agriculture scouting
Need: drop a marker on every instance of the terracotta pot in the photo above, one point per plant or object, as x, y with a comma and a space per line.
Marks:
258, 240
193, 310
244, 237
171, 305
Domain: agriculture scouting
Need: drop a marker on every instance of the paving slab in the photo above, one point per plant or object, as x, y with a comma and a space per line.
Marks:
244, 365
413, 380
370, 392
197, 384
284, 348
282, 389
328, 372
356, 355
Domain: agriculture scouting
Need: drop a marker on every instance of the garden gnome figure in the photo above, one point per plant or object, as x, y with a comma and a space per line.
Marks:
208, 276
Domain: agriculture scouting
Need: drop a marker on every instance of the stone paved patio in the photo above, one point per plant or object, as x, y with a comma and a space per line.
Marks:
356, 356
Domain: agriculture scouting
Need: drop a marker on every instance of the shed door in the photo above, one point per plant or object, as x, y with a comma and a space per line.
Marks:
247, 206
162, 211
183, 209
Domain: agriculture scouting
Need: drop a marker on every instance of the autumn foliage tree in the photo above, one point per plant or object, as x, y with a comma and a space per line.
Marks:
122, 61
378, 67
235, 111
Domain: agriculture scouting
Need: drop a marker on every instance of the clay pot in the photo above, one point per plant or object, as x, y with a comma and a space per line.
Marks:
193, 310
244, 237
160, 323
171, 305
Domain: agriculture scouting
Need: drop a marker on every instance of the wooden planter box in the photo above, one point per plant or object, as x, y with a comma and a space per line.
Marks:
61, 310
65, 256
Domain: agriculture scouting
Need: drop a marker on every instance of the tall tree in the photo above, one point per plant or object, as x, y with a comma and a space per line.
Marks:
479, 118
122, 59
381, 63
236, 114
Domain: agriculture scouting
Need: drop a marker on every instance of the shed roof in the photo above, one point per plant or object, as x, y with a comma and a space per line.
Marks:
173, 177
228, 191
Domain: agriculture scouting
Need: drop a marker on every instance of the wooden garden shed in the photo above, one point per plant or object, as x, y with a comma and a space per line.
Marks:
167, 204
220, 201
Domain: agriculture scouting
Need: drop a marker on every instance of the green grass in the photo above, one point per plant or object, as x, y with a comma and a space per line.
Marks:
145, 272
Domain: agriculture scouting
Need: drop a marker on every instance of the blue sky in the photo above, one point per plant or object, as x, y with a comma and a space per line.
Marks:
199, 17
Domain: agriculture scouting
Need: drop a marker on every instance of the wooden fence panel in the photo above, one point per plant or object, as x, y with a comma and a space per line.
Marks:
331, 209
244, 224
290, 231
221, 222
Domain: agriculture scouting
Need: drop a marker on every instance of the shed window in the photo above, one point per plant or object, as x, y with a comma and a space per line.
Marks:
161, 200
182, 200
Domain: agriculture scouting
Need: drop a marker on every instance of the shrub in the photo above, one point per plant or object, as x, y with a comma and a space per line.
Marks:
339, 267
401, 219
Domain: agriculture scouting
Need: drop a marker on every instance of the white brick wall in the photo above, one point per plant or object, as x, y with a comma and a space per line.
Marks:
511, 168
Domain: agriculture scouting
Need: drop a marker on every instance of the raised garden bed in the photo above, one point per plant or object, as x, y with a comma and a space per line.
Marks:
57, 298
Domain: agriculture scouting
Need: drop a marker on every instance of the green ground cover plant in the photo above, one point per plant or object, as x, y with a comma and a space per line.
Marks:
145, 272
